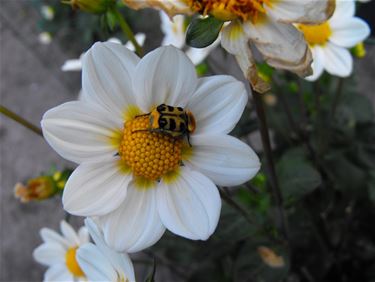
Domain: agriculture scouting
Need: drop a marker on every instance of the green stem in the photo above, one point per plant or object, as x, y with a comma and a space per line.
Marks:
5, 111
127, 31
275, 189
336, 99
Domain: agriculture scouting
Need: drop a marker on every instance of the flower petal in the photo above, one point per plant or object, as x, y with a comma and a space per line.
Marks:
301, 11
171, 7
107, 72
83, 235
235, 41
49, 254
95, 189
317, 64
226, 160
58, 272
80, 132
94, 264
69, 233
350, 32
120, 261
345, 9
165, 75
51, 236
218, 104
337, 60
190, 206
281, 45
135, 225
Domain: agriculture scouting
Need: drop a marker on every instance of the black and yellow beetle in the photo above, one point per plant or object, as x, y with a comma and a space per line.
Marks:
173, 121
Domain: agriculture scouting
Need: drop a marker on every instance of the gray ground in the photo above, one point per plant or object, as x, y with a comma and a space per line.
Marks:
31, 82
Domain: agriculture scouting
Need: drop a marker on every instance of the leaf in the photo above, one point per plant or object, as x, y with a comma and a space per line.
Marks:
202, 32
296, 175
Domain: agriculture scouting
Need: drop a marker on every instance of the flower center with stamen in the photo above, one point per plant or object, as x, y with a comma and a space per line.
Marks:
227, 10
72, 264
149, 154
316, 34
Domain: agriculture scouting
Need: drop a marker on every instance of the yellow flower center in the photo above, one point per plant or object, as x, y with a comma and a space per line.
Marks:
228, 10
71, 262
316, 34
150, 155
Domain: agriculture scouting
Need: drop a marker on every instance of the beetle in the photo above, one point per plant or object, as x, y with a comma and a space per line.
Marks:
172, 121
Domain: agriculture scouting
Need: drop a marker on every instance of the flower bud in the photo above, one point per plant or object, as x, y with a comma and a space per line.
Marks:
359, 50
91, 6
37, 189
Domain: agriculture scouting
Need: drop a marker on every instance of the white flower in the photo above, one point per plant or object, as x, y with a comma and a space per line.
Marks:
76, 64
59, 253
174, 34
100, 263
47, 12
140, 182
267, 24
329, 41
45, 38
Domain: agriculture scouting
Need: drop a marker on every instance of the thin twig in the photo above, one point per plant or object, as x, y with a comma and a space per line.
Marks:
275, 189
236, 206
12, 115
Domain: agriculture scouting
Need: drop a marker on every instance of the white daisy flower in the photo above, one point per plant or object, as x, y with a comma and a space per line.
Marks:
174, 34
132, 172
100, 263
329, 41
59, 253
76, 64
267, 24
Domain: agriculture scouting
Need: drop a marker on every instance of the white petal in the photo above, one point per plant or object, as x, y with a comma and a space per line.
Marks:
281, 45
120, 261
337, 60
226, 160
300, 11
317, 64
350, 32
69, 233
83, 235
136, 224
190, 206
107, 73
51, 236
58, 272
81, 132
218, 104
140, 38
49, 254
94, 264
72, 65
95, 189
165, 75
173, 29
344, 10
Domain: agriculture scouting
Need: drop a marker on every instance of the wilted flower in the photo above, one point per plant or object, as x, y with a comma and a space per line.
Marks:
59, 253
174, 34
138, 168
329, 41
100, 263
265, 23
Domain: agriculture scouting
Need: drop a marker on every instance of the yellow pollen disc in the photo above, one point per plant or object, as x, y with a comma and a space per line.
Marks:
71, 262
150, 155
316, 34
228, 10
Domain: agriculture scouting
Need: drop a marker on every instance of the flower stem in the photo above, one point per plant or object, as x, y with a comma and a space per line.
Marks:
5, 111
127, 31
275, 189
337, 97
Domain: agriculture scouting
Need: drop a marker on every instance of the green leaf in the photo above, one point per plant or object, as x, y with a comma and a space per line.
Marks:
296, 175
203, 32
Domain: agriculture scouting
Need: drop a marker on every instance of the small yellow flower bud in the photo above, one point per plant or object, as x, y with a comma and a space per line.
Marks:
37, 189
91, 6
359, 50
